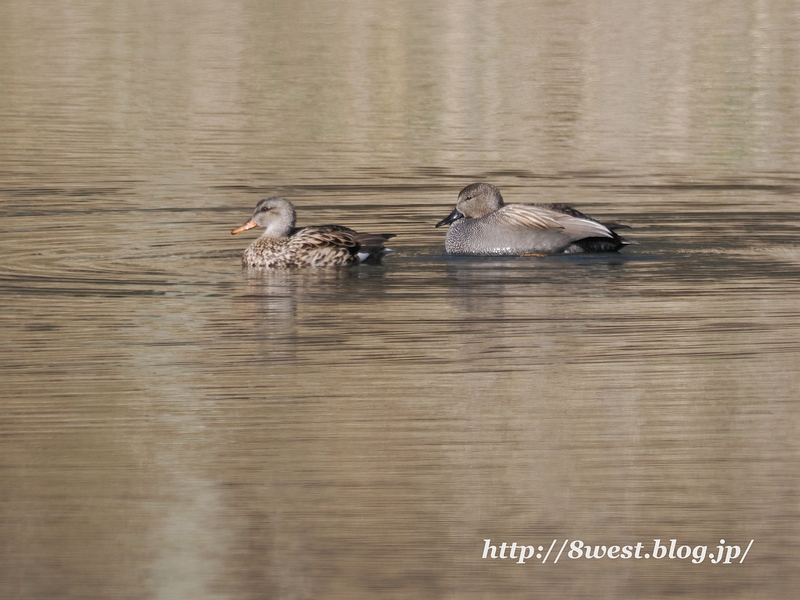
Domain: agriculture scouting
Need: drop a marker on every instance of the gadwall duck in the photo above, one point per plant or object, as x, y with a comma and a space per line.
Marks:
283, 245
483, 224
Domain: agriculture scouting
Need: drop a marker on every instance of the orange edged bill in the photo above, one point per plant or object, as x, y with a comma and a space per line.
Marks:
249, 225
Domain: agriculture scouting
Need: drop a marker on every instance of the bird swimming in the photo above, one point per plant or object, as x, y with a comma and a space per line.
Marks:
284, 246
483, 224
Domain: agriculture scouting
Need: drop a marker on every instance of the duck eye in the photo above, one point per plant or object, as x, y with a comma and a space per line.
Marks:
264, 209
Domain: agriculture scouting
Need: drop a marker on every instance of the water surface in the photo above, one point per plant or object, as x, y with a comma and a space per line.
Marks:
175, 427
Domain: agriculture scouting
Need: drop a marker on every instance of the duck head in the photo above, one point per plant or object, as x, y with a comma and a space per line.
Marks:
475, 201
276, 215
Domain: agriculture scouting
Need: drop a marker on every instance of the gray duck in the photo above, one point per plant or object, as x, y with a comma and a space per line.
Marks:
482, 224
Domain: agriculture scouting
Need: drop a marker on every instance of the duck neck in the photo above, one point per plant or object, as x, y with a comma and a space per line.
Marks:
278, 229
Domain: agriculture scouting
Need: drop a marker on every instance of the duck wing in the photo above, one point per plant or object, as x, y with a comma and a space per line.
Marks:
330, 240
325, 236
559, 217
568, 210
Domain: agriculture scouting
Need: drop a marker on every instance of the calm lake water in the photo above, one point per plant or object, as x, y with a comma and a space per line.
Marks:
174, 427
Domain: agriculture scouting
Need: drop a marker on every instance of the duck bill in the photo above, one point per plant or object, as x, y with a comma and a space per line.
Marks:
453, 216
249, 225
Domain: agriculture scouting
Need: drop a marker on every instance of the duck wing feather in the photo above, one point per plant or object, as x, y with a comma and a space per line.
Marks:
553, 217
325, 236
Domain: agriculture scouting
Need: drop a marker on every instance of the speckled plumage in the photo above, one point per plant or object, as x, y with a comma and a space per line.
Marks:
482, 224
283, 246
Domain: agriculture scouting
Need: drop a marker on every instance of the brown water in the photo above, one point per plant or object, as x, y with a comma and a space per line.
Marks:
173, 427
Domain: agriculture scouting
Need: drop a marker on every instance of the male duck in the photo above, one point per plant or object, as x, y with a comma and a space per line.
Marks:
483, 224
283, 245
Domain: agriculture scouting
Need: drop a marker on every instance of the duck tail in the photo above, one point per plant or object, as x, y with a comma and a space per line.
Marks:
370, 246
613, 226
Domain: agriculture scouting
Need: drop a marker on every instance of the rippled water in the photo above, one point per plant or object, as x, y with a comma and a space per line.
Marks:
175, 427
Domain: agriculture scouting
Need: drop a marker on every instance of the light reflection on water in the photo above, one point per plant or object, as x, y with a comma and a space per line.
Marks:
174, 426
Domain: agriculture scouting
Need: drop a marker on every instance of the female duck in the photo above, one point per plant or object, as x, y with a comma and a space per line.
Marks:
283, 245
483, 224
